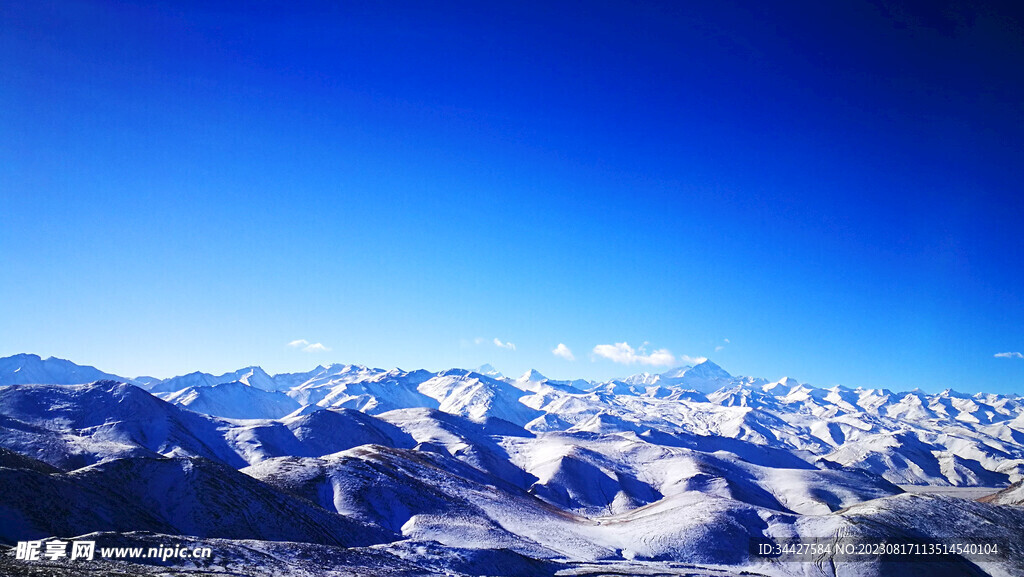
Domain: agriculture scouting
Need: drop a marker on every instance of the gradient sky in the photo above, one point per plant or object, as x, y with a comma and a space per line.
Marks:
830, 191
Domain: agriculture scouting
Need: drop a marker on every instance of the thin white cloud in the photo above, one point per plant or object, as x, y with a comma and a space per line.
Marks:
688, 360
563, 351
316, 348
719, 347
298, 343
499, 344
726, 341
1009, 356
624, 354
479, 340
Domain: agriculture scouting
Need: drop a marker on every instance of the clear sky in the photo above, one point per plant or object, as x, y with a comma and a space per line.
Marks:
826, 190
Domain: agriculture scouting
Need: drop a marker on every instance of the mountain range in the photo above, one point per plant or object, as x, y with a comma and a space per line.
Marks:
469, 471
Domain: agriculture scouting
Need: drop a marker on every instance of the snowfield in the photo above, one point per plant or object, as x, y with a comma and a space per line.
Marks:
354, 470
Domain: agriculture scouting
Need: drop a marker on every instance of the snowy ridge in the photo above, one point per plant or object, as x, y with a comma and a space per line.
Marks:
24, 369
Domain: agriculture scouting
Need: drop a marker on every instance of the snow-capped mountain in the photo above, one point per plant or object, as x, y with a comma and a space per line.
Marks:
72, 426
488, 370
473, 395
23, 369
686, 466
234, 399
250, 376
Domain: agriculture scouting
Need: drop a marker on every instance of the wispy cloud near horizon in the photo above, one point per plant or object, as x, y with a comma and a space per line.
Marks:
501, 345
624, 354
308, 347
1013, 355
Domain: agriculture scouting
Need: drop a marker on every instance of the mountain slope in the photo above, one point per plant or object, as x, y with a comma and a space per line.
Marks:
427, 496
234, 400
313, 435
70, 426
188, 496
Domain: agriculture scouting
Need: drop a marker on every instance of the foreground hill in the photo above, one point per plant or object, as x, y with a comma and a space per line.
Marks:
182, 496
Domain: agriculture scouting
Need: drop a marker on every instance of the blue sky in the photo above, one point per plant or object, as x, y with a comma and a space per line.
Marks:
829, 191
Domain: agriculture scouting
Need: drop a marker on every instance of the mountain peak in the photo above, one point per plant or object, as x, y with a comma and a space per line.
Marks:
707, 369
489, 370
532, 375
707, 363
783, 383
644, 378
